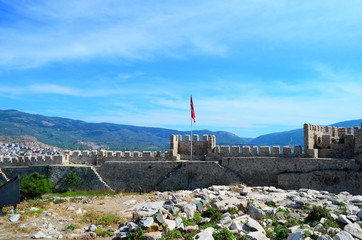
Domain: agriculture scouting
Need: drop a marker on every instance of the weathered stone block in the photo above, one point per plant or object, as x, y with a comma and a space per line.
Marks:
276, 150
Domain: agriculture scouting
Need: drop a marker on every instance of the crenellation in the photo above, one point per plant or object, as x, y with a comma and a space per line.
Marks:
187, 138
225, 149
287, 150
246, 150
205, 137
235, 150
265, 150
276, 150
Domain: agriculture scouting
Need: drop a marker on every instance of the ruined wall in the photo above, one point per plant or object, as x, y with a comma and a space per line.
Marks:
327, 141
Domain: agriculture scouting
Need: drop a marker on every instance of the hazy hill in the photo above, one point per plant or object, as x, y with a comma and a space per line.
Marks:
295, 137
75, 134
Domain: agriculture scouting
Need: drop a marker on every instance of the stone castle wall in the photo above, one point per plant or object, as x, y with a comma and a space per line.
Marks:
35, 160
327, 141
206, 149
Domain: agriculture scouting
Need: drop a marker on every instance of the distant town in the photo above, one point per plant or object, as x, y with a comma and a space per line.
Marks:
27, 149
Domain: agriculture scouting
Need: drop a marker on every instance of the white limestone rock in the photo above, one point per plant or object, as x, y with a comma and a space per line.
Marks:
256, 236
14, 218
255, 212
179, 223
298, 235
92, 227
146, 222
325, 237
354, 229
189, 209
171, 224
205, 234
39, 235
252, 224
343, 219
343, 236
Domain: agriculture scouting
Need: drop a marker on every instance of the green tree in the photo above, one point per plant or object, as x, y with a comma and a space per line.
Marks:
34, 185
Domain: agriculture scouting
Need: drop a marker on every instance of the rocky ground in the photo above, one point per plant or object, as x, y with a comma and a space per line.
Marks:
217, 212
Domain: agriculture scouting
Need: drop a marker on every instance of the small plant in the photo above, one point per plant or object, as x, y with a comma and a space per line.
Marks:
316, 214
232, 210
223, 234
283, 210
277, 232
138, 235
173, 234
72, 226
104, 233
34, 185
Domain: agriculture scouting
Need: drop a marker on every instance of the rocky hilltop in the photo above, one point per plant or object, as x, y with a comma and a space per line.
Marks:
217, 212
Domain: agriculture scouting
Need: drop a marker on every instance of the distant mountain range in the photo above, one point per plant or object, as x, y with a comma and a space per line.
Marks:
75, 134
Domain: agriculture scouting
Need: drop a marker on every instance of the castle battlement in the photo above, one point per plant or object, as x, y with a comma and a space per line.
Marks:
327, 141
319, 142
32, 160
206, 149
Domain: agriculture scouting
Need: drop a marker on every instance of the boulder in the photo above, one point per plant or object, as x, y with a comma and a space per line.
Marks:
189, 209
205, 234
256, 236
255, 212
343, 236
325, 237
14, 218
146, 222
153, 235
354, 229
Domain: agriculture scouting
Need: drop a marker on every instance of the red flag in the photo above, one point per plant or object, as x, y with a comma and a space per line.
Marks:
193, 115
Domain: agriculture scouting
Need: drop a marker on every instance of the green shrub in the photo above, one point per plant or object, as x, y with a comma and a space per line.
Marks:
223, 234
34, 185
72, 226
72, 179
316, 214
213, 214
277, 232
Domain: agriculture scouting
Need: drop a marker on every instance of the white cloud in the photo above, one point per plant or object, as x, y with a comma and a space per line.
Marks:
54, 31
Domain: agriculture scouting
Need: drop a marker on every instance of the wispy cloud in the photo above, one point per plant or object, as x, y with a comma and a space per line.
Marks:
57, 32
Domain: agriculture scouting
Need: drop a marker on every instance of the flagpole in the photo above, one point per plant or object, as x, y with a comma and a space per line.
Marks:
191, 141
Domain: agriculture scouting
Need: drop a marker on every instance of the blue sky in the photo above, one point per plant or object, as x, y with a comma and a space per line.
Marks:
252, 66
